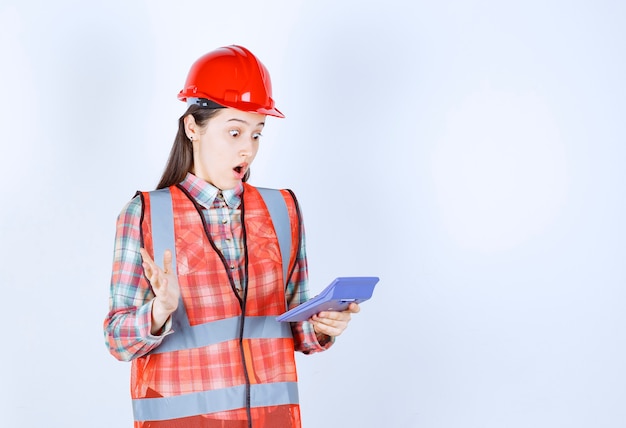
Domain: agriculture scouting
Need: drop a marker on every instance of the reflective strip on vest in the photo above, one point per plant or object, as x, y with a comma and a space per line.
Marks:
219, 331
163, 227
277, 207
180, 406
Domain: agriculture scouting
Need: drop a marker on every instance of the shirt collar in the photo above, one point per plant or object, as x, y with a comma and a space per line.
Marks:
205, 193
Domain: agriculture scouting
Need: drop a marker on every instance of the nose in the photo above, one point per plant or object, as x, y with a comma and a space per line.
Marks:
246, 149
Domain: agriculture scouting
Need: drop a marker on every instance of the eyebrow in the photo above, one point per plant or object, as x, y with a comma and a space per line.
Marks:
243, 121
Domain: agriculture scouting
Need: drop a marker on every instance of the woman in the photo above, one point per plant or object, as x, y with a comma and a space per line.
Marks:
200, 328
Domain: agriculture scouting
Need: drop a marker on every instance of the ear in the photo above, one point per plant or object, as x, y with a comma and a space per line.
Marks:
191, 128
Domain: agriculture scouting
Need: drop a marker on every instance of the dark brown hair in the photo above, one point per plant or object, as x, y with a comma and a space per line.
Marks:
180, 161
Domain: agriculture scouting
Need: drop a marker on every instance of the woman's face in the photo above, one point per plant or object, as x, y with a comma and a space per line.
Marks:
225, 148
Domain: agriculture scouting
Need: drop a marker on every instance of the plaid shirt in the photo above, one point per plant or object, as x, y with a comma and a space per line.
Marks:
128, 324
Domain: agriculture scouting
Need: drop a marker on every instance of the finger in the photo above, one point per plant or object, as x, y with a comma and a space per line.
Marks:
147, 269
354, 308
322, 329
148, 264
167, 261
333, 322
333, 315
153, 272
153, 276
146, 256
330, 330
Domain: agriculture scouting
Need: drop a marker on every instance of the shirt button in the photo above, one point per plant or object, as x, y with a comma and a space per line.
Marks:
224, 220
232, 267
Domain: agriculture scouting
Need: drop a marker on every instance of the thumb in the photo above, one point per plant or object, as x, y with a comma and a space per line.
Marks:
167, 261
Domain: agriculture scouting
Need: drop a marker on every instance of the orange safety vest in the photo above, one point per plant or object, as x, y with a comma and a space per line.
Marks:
228, 363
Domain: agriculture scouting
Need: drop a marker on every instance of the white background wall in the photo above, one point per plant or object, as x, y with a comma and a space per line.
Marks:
470, 153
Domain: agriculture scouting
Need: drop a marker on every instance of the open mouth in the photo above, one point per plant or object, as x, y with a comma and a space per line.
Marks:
240, 170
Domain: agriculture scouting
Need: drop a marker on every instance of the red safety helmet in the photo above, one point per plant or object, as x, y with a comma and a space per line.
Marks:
232, 77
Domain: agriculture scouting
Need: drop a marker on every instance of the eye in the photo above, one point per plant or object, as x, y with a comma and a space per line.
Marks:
256, 135
234, 133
